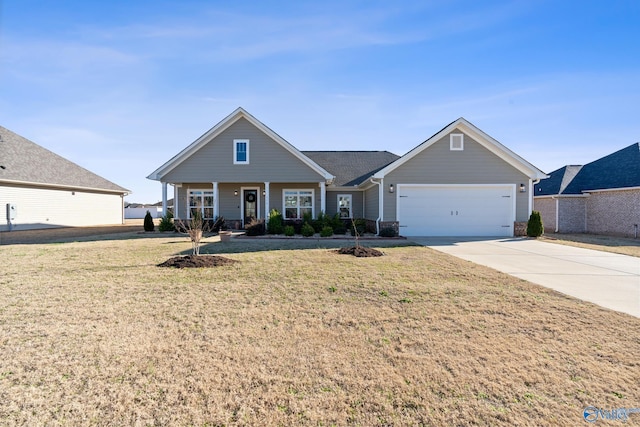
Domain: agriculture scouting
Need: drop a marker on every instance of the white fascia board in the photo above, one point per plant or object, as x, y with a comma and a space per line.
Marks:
482, 138
64, 187
221, 127
611, 189
345, 188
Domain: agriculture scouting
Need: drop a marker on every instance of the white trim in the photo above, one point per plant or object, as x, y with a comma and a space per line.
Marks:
612, 189
313, 201
456, 145
202, 208
235, 151
462, 125
350, 196
242, 190
267, 194
223, 125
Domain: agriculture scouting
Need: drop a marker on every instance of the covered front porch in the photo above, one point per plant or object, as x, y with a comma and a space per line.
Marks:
242, 202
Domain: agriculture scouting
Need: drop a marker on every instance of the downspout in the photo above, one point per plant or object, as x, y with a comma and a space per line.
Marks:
380, 205
557, 213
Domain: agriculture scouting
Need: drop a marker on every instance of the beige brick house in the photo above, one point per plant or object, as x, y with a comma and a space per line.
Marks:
601, 197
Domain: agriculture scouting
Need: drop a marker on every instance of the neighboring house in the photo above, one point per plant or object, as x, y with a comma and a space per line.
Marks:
601, 197
39, 189
460, 182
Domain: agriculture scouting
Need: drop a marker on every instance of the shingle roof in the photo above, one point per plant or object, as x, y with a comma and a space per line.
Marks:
617, 170
24, 161
351, 168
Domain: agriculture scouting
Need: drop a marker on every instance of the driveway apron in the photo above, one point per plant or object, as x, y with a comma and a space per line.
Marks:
607, 279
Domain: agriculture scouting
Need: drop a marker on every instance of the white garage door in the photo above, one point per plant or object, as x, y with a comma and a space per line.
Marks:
456, 210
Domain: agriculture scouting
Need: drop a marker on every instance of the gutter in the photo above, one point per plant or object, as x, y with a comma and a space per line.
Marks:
380, 205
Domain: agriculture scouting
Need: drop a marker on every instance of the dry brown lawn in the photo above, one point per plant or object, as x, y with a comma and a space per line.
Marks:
93, 333
618, 245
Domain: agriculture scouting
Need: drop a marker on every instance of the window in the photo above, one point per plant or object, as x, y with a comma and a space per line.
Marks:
344, 205
297, 203
201, 201
456, 142
240, 151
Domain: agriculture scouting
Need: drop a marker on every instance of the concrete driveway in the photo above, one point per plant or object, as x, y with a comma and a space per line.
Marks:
603, 278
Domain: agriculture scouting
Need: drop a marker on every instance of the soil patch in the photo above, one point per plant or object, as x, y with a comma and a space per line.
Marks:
197, 261
359, 251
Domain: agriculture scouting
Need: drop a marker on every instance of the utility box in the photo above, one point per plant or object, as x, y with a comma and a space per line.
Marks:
12, 212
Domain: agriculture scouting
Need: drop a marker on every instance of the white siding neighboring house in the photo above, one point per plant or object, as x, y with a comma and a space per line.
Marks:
40, 189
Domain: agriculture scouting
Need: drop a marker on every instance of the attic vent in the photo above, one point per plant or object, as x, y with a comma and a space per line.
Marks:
456, 142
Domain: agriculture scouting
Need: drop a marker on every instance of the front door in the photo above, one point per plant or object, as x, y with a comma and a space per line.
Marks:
250, 198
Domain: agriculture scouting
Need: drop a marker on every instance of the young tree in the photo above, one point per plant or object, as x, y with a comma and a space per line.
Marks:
195, 228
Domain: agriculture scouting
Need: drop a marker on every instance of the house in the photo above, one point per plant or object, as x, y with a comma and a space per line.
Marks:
459, 182
40, 189
601, 197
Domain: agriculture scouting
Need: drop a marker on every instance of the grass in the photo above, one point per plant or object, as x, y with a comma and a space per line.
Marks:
619, 245
93, 333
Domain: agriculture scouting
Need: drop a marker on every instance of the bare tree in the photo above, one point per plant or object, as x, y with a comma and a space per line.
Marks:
195, 228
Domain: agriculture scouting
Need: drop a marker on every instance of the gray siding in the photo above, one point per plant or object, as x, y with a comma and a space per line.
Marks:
371, 200
268, 160
439, 165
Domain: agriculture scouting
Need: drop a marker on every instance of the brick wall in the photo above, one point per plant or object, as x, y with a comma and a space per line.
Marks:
613, 212
571, 215
520, 228
547, 208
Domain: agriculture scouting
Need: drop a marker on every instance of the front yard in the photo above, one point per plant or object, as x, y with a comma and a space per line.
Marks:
93, 333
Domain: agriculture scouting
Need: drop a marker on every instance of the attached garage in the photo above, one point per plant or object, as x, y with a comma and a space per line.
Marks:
456, 210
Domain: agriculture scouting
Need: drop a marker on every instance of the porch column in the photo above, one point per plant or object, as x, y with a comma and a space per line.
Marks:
216, 208
323, 197
164, 198
381, 200
176, 198
266, 202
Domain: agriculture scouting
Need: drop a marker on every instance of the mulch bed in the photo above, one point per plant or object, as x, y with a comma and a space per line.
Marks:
197, 261
359, 251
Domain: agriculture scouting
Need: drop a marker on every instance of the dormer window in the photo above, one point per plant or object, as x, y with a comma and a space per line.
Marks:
240, 151
456, 142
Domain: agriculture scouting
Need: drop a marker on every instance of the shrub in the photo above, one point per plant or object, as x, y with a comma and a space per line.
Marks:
289, 230
534, 225
307, 217
148, 222
219, 224
326, 231
276, 222
388, 232
307, 230
166, 223
255, 228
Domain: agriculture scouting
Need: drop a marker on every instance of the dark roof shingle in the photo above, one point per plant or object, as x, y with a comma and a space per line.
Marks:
24, 161
351, 168
617, 170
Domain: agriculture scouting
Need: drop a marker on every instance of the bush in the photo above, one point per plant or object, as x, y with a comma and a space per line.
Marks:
219, 224
166, 223
534, 225
388, 232
326, 231
307, 230
148, 222
255, 228
289, 230
276, 222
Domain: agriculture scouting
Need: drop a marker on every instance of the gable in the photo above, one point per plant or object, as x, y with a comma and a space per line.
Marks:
211, 157
440, 164
474, 134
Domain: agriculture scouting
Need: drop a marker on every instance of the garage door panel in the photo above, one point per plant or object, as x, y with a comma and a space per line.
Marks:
456, 210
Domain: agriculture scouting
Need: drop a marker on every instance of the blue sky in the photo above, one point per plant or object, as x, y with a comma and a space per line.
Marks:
119, 87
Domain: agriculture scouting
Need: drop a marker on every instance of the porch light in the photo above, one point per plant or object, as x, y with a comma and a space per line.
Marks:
391, 189
523, 189
235, 192
264, 192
